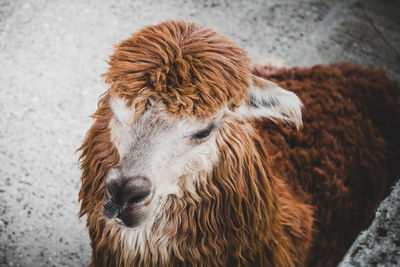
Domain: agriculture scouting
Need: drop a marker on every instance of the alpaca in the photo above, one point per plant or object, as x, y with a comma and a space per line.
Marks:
196, 159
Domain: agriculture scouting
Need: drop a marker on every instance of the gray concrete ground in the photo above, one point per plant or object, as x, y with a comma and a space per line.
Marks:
53, 52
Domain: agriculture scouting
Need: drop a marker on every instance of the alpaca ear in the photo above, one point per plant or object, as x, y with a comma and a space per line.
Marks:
120, 110
267, 100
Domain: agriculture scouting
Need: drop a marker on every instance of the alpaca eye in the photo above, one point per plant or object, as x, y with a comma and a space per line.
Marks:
203, 134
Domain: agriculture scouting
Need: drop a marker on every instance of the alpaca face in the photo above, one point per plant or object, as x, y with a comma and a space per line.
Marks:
159, 156
162, 155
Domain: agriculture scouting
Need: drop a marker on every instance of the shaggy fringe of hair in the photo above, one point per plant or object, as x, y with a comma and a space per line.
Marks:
192, 70
98, 155
239, 219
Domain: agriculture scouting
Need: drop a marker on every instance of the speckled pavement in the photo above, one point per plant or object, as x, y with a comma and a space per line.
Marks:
53, 52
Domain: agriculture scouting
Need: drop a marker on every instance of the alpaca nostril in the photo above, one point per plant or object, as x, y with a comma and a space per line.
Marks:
113, 189
137, 189
137, 199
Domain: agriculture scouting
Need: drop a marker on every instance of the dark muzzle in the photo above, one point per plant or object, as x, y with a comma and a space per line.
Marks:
126, 199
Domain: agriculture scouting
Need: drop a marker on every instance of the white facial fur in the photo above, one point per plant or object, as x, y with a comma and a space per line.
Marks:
161, 148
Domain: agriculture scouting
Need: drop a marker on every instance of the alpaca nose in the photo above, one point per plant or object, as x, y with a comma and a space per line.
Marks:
129, 191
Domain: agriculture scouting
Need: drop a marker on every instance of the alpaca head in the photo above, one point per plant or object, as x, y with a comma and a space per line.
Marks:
175, 87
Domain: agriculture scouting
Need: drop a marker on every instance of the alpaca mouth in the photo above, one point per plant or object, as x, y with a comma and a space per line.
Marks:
131, 215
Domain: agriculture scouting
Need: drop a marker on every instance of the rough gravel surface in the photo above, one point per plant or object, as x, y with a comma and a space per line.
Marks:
53, 52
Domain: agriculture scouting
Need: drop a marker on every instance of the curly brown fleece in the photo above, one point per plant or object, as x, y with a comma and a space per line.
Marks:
191, 69
346, 156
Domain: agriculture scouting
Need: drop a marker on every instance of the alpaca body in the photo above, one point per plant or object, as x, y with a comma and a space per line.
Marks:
183, 166
345, 156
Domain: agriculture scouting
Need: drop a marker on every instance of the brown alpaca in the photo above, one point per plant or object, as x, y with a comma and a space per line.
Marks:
175, 168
